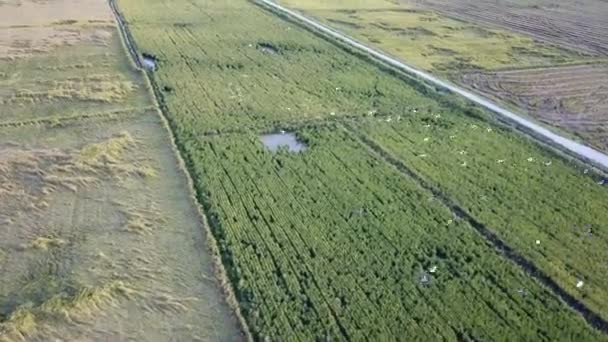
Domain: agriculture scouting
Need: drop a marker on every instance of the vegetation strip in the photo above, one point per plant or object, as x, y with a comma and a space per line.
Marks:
584, 152
529, 267
125, 34
185, 167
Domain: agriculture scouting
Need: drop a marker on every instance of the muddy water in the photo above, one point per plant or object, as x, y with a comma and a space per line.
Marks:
268, 48
149, 63
277, 141
99, 240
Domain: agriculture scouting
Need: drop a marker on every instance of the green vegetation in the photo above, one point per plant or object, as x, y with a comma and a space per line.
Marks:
219, 77
429, 40
514, 188
336, 243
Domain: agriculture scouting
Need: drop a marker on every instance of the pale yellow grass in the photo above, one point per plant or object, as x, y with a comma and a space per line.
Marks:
30, 27
41, 13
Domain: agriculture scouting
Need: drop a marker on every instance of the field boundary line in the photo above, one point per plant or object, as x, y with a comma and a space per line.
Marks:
126, 38
62, 120
494, 240
596, 61
582, 152
183, 167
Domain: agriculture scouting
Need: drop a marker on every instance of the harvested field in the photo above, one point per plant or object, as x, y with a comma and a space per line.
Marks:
44, 13
579, 25
100, 238
429, 40
364, 235
32, 27
574, 98
90, 215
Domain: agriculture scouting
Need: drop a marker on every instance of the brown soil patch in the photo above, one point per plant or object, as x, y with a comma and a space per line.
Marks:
571, 97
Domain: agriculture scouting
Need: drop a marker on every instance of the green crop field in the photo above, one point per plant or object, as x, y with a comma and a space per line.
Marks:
514, 188
376, 231
337, 243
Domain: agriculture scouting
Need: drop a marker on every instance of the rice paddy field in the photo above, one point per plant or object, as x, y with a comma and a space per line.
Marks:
100, 237
542, 59
407, 213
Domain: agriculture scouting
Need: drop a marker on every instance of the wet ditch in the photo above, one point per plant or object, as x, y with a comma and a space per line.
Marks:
268, 48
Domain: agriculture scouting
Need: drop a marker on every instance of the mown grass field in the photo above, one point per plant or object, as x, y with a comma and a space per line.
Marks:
92, 198
338, 242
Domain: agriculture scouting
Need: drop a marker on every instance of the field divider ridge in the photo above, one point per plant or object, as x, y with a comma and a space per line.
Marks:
582, 152
494, 240
185, 167
66, 120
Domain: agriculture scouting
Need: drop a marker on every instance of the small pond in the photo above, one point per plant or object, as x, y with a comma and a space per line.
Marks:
283, 140
149, 62
268, 48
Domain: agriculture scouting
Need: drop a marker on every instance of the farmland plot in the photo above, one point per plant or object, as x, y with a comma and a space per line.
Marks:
90, 215
64, 58
428, 40
80, 78
574, 98
579, 25
92, 200
217, 76
334, 242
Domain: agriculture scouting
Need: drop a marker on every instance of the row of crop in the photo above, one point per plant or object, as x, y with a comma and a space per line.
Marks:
245, 68
551, 211
339, 230
332, 242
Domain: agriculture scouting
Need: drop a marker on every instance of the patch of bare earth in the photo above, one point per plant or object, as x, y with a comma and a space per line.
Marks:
574, 98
